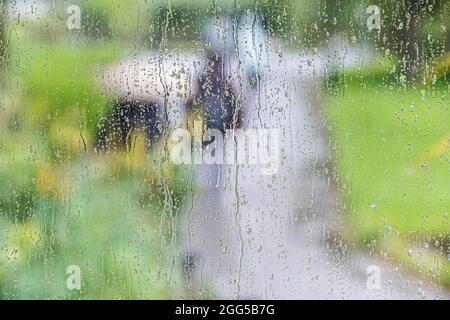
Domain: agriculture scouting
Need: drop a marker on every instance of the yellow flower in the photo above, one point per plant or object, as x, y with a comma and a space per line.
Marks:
46, 182
22, 238
436, 150
137, 151
66, 135
441, 68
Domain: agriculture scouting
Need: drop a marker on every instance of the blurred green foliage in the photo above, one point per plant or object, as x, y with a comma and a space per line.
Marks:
125, 249
114, 215
392, 153
64, 77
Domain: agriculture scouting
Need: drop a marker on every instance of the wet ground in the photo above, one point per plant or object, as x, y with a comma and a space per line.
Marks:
271, 236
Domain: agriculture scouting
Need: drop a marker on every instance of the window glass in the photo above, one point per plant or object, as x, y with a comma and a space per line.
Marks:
214, 149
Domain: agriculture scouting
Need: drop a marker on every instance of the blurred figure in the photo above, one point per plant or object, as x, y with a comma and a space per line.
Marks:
254, 50
217, 95
237, 60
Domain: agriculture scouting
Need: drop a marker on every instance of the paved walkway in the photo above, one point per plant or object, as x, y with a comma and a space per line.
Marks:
267, 237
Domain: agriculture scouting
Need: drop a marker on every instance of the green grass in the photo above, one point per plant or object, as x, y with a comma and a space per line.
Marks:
392, 151
62, 78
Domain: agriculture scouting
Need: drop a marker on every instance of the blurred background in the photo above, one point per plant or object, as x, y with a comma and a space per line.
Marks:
360, 89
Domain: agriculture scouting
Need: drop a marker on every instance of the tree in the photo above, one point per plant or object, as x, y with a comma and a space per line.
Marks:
405, 26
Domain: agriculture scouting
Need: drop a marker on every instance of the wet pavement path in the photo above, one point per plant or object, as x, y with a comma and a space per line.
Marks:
267, 236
